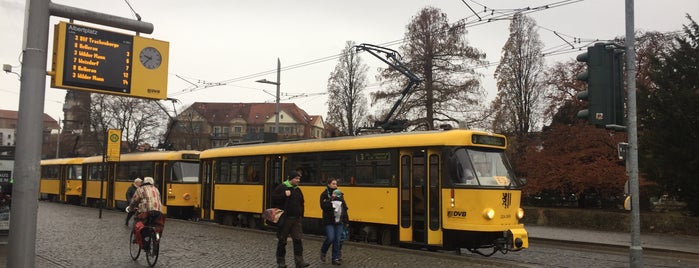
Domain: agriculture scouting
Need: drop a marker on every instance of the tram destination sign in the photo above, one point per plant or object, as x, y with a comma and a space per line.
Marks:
102, 61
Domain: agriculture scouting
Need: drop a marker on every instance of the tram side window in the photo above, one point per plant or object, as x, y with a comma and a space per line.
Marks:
50, 172
375, 168
128, 171
94, 172
337, 166
253, 168
307, 164
75, 172
147, 170
224, 171
122, 173
243, 170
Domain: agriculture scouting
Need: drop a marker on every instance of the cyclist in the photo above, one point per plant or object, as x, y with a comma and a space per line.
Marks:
147, 200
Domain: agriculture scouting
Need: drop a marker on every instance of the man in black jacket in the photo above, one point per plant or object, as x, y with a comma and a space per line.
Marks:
288, 196
129, 195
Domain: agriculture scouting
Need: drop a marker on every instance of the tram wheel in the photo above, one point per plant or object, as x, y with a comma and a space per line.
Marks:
386, 236
252, 223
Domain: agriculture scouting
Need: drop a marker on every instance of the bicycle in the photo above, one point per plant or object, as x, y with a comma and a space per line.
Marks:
149, 244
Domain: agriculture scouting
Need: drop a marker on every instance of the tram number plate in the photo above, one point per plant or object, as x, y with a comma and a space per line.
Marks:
502, 180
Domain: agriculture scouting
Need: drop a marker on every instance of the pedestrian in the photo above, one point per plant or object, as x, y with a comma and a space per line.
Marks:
288, 196
335, 220
129, 195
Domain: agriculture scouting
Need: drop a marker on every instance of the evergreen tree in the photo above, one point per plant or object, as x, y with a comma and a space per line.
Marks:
669, 119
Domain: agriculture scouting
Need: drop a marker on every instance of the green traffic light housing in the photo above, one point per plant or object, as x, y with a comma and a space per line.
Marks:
604, 78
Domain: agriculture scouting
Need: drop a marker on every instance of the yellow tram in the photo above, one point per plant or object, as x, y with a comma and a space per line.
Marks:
176, 174
433, 189
61, 180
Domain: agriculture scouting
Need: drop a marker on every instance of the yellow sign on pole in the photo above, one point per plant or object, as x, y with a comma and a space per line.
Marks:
113, 145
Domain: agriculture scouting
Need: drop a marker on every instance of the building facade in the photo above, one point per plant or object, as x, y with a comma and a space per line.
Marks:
205, 125
8, 133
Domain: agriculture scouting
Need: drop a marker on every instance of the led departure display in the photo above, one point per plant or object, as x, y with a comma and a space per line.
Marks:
96, 60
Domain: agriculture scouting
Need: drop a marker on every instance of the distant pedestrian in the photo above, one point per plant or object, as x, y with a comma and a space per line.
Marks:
335, 220
288, 196
129, 195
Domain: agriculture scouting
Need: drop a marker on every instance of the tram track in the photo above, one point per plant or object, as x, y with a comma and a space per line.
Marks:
541, 253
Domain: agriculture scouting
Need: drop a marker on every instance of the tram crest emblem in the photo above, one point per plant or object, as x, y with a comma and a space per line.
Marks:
506, 200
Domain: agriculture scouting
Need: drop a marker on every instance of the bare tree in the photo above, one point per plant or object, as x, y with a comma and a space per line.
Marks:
347, 104
139, 120
437, 52
519, 101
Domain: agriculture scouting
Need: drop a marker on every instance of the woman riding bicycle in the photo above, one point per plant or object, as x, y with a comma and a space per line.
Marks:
147, 200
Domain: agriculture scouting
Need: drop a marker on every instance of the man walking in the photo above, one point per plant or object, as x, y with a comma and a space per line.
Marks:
288, 196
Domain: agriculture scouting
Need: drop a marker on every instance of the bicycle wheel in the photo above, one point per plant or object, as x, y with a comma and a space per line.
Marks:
134, 249
152, 254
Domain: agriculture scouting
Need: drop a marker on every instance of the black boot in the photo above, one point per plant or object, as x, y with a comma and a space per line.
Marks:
281, 263
298, 259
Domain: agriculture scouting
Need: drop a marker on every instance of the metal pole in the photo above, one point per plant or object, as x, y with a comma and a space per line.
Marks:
636, 251
276, 105
58, 139
30, 121
100, 18
30, 124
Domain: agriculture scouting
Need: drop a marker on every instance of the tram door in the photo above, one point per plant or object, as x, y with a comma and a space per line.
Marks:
273, 177
207, 184
419, 212
62, 177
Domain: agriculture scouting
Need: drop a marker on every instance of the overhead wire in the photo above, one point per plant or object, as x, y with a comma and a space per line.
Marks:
488, 15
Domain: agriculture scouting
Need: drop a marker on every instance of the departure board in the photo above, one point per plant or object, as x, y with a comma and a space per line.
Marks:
103, 61
97, 59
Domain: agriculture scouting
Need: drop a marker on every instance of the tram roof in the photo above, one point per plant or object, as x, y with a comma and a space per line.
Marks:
455, 137
63, 161
144, 156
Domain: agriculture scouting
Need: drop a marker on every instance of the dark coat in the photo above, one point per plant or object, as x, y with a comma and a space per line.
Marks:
327, 207
293, 204
130, 192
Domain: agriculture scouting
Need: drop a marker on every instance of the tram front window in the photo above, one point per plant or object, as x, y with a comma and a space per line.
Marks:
481, 168
185, 172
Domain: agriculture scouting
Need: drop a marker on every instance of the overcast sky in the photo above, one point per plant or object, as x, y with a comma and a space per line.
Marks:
238, 42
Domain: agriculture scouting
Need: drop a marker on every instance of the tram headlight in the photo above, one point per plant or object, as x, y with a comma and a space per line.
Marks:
520, 213
186, 196
489, 213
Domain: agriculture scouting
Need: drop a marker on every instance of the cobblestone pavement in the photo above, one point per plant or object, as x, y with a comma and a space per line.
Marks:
73, 236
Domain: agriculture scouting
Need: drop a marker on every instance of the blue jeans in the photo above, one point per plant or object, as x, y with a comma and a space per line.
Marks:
332, 237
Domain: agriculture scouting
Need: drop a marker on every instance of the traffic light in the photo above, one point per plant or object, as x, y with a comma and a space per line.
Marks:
605, 85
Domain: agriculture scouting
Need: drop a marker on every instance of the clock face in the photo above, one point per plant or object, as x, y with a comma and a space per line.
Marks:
150, 57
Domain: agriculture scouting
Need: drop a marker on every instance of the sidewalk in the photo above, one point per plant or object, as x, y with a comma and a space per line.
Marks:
683, 243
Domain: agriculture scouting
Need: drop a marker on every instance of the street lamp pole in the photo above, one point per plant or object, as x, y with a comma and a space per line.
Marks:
276, 104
